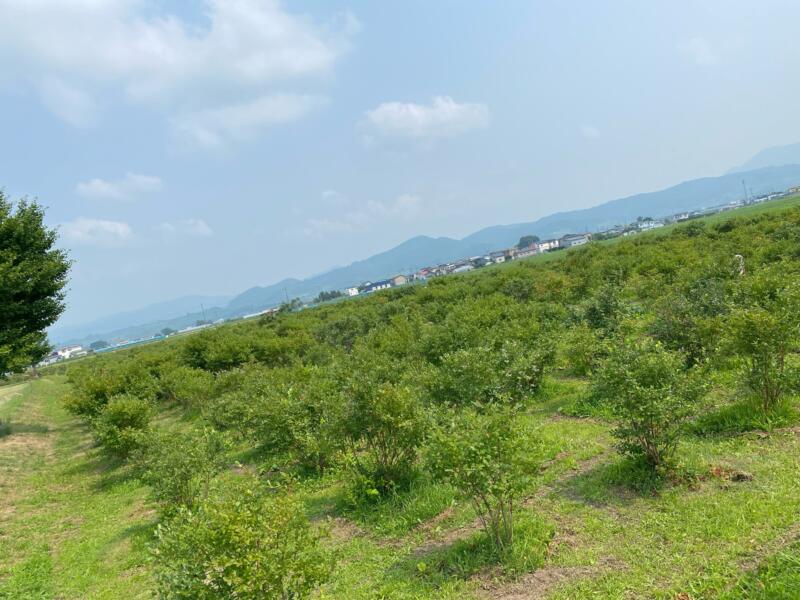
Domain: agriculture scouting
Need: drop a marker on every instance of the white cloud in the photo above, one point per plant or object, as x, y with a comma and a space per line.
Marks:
700, 51
444, 117
68, 103
590, 132
95, 231
131, 185
334, 198
191, 227
405, 208
217, 127
88, 48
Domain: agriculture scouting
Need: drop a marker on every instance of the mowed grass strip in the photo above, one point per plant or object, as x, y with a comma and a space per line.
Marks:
72, 525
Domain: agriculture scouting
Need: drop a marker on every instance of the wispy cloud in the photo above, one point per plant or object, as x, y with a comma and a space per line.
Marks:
191, 227
126, 188
334, 198
70, 104
217, 127
92, 49
405, 207
443, 117
88, 231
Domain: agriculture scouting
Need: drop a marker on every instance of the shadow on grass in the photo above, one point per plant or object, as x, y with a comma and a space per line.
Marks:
12, 427
619, 482
473, 555
778, 576
400, 511
109, 471
140, 535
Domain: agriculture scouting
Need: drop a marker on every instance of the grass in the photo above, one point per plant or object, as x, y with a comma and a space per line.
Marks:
73, 525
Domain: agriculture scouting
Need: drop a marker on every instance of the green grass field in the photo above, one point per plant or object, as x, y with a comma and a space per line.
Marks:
74, 525
71, 524
591, 524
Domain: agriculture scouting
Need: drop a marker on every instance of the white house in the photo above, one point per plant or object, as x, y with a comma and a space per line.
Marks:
648, 225
576, 239
548, 245
352, 291
525, 252
70, 352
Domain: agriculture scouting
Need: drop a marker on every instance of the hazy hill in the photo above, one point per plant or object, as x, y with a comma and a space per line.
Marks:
690, 195
423, 251
772, 157
116, 325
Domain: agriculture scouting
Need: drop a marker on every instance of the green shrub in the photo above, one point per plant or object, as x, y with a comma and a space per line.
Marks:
178, 466
484, 374
119, 427
763, 339
95, 383
216, 350
483, 456
384, 426
191, 387
652, 396
605, 309
582, 350
686, 320
242, 542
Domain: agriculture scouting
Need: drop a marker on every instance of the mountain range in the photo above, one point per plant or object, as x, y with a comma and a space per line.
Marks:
774, 169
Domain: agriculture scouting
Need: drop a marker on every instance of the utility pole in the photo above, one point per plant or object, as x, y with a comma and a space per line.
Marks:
203, 310
744, 187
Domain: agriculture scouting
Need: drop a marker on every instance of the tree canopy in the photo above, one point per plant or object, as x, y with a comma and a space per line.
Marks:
527, 240
33, 274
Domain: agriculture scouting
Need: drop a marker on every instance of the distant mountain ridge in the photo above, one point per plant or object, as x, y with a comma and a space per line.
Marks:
771, 157
114, 326
424, 251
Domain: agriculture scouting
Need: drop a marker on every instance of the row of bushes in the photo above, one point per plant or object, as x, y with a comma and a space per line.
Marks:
432, 379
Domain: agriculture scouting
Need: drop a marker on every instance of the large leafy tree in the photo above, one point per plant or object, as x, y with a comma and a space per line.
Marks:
33, 274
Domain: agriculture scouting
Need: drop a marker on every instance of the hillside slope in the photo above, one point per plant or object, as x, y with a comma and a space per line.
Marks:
424, 251
771, 157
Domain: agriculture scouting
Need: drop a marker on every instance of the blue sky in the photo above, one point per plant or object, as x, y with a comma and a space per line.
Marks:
206, 147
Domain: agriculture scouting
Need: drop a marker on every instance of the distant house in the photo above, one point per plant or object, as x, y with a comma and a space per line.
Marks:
424, 273
384, 284
463, 268
353, 291
70, 352
498, 256
575, 239
648, 225
525, 252
399, 280
794, 190
50, 359
547, 245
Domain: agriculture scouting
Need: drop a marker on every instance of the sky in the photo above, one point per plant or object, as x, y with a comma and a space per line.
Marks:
204, 147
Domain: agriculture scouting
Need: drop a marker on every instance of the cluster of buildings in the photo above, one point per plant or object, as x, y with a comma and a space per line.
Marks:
568, 241
64, 353
464, 265
475, 262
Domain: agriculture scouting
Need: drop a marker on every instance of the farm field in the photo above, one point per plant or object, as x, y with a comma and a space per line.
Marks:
369, 431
